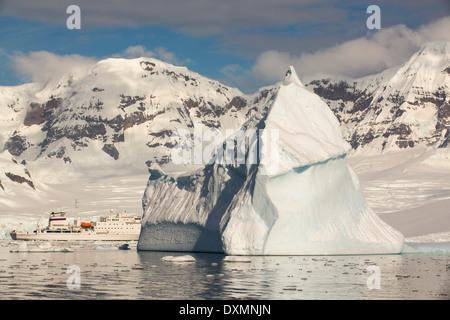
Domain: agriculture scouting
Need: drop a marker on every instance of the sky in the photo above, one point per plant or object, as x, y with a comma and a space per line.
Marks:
242, 43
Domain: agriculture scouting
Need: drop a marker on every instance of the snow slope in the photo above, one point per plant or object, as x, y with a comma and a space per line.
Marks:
300, 198
409, 189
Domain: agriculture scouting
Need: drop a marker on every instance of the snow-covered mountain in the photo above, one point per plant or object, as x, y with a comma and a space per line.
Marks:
114, 121
397, 109
120, 110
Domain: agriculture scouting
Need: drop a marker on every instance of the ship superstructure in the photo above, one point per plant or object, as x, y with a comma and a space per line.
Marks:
116, 226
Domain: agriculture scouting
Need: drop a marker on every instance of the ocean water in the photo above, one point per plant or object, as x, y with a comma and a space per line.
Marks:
97, 271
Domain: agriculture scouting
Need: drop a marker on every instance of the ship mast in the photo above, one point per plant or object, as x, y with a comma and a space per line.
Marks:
76, 212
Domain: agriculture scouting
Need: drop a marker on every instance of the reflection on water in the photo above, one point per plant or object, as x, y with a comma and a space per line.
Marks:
108, 273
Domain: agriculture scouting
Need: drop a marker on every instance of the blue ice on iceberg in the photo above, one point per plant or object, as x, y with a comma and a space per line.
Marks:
307, 202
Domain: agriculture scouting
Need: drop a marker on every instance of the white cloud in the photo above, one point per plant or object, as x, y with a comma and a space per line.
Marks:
137, 52
41, 66
237, 76
159, 53
370, 54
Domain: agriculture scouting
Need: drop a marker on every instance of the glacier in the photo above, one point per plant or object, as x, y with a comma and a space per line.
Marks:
299, 198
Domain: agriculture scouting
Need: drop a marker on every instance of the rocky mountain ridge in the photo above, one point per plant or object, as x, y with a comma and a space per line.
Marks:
396, 109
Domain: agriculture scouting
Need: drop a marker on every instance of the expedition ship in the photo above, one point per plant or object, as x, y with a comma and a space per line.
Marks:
117, 227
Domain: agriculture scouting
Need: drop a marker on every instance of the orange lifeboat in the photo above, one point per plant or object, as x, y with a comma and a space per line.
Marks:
86, 225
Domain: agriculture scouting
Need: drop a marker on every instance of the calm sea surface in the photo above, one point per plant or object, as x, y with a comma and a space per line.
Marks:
102, 271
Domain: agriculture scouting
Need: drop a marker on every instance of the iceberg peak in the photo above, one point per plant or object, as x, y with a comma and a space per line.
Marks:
291, 77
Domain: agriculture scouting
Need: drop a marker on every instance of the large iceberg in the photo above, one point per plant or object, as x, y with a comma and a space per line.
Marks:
299, 197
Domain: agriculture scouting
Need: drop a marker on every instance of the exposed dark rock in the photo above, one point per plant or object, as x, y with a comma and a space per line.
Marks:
34, 114
339, 91
190, 103
162, 134
59, 154
262, 95
76, 132
147, 65
163, 160
237, 102
118, 137
399, 129
204, 111
362, 103
368, 137
186, 182
404, 143
127, 101
170, 144
153, 145
396, 98
211, 123
97, 105
111, 150
39, 113
19, 179
16, 145
447, 70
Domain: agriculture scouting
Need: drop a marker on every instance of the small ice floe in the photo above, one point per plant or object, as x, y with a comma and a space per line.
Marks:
137, 267
63, 249
22, 247
105, 247
236, 259
132, 244
185, 258
46, 247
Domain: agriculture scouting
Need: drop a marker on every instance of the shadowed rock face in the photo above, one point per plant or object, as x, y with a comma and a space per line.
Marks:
369, 125
111, 150
16, 145
40, 113
19, 179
